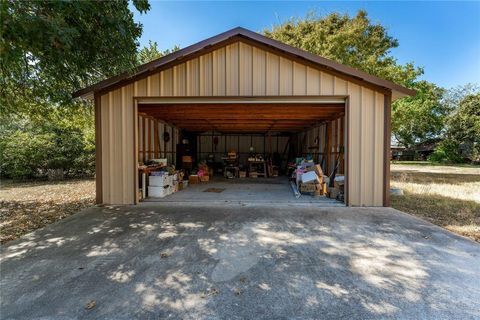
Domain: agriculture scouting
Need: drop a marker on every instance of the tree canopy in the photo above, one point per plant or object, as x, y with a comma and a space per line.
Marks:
48, 49
357, 42
420, 119
151, 52
353, 41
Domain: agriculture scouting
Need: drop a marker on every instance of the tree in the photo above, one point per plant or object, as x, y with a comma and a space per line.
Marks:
353, 41
462, 136
151, 52
420, 119
50, 48
359, 43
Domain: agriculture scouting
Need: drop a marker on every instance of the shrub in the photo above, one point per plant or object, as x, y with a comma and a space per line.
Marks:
446, 151
24, 154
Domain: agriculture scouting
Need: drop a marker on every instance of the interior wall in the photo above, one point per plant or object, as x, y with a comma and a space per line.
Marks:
330, 147
241, 69
151, 143
241, 143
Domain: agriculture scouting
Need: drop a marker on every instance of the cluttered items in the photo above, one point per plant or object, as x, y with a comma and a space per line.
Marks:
158, 180
308, 178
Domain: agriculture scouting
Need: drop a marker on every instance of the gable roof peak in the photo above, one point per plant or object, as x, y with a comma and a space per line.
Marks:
180, 55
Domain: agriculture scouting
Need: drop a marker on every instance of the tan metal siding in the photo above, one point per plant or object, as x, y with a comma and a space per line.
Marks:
231, 70
241, 69
245, 70
259, 71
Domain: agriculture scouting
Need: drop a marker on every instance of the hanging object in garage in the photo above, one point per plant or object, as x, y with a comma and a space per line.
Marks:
166, 136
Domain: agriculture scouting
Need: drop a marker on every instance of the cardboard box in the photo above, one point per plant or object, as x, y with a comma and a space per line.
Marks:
308, 187
187, 159
204, 178
158, 181
333, 193
253, 175
339, 182
242, 174
158, 192
193, 179
317, 169
310, 176
321, 189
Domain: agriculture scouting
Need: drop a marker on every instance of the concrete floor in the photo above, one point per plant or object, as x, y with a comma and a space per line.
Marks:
266, 190
241, 261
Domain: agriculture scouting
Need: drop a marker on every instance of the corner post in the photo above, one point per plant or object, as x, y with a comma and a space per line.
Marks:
98, 150
387, 128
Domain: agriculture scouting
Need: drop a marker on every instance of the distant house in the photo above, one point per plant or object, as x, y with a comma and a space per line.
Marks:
420, 152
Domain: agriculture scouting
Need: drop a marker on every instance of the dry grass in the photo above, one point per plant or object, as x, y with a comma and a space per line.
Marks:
27, 206
448, 196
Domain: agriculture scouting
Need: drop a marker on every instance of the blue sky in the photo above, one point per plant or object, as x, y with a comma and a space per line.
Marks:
442, 37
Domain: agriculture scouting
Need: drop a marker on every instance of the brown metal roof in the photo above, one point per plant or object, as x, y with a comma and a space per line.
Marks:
241, 33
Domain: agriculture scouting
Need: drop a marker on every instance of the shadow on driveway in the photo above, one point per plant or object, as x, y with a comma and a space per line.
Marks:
241, 261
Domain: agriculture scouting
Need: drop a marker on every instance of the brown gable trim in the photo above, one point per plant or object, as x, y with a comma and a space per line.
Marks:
233, 35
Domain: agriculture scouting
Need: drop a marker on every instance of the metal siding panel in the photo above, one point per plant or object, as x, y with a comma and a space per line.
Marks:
313, 81
206, 75
245, 66
257, 143
141, 87
123, 154
155, 85
286, 76
340, 86
259, 72
231, 67
179, 83
219, 72
379, 126
161, 130
299, 79
355, 139
105, 117
367, 169
193, 77
140, 139
129, 134
326, 84
166, 85
272, 75
116, 141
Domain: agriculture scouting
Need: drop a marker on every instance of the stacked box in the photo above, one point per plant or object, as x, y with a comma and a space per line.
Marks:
158, 192
158, 181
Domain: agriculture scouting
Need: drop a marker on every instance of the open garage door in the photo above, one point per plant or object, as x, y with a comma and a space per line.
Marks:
277, 132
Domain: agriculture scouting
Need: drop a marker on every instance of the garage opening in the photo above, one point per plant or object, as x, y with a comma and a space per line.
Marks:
262, 151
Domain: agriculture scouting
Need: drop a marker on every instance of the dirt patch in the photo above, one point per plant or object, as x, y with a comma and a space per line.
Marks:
27, 206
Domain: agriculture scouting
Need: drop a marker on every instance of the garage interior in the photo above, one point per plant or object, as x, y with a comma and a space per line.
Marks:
268, 139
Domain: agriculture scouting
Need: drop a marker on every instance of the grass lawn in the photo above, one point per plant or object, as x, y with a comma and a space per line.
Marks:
448, 196
27, 206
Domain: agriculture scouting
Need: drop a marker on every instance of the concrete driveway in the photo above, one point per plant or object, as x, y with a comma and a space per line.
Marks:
240, 261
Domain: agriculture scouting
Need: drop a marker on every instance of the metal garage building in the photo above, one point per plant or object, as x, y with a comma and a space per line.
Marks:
242, 84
